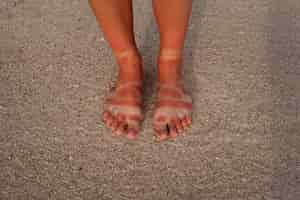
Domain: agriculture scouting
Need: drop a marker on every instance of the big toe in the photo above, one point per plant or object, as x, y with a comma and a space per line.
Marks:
161, 132
132, 133
172, 130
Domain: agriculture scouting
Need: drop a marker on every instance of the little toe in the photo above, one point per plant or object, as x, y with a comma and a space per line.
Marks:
185, 123
108, 120
189, 119
105, 115
113, 122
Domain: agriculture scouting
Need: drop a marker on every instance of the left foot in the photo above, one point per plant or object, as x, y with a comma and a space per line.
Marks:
172, 114
123, 107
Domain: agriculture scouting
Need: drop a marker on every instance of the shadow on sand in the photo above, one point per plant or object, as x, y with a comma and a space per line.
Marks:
284, 60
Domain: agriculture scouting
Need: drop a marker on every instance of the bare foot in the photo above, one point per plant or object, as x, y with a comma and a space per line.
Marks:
122, 108
172, 114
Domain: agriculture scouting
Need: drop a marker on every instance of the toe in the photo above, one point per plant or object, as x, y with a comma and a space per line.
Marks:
115, 125
108, 120
105, 115
132, 134
172, 130
176, 123
120, 129
161, 134
189, 119
185, 123
160, 127
179, 126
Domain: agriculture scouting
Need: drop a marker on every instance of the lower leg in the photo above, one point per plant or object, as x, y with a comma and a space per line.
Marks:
172, 19
173, 110
116, 21
122, 110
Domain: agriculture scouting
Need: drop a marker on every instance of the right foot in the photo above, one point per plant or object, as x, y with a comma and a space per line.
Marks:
122, 108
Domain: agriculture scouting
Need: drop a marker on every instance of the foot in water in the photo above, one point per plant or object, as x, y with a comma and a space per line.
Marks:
172, 114
122, 108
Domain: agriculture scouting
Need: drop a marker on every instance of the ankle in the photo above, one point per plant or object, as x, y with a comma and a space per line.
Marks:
130, 66
167, 54
128, 57
169, 66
